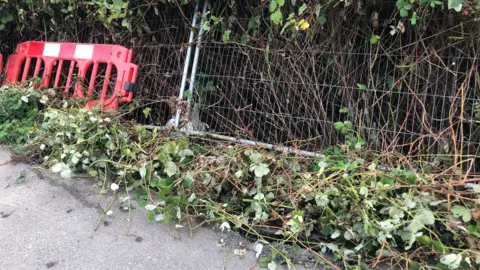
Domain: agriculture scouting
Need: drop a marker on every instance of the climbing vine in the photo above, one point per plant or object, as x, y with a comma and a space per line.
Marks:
293, 15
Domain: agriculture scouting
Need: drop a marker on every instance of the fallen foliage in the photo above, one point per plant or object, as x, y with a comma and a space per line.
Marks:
352, 209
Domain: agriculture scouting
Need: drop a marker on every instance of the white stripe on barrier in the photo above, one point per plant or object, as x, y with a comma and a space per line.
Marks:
83, 52
51, 49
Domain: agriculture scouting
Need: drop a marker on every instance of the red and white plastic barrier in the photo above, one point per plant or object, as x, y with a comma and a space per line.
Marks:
84, 59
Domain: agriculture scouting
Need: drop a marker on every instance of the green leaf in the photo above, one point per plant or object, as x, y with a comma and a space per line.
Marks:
226, 36
455, 4
335, 234
150, 215
474, 230
413, 19
264, 261
56, 168
465, 213
374, 39
255, 157
423, 217
66, 173
403, 12
439, 246
126, 23
273, 6
280, 3
276, 17
322, 20
424, 240
170, 169
296, 167
361, 86
261, 170
142, 171
302, 9
387, 180
348, 125
338, 125
206, 26
146, 112
6, 17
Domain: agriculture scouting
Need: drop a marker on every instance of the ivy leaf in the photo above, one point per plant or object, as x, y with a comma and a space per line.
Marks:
276, 17
338, 125
374, 39
261, 170
255, 157
170, 168
296, 168
413, 20
335, 234
424, 240
206, 26
423, 217
146, 112
57, 168
302, 9
264, 261
273, 6
451, 260
465, 213
6, 17
226, 36
455, 4
143, 171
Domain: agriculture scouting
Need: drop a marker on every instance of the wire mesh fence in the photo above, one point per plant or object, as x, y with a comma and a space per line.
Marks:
415, 98
414, 91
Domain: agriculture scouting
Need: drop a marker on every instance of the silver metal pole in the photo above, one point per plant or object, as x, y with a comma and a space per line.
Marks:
245, 142
187, 59
195, 63
195, 58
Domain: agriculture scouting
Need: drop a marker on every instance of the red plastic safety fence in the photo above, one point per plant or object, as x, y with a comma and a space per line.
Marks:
1, 63
81, 69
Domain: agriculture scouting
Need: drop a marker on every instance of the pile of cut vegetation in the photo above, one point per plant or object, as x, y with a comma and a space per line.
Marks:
360, 208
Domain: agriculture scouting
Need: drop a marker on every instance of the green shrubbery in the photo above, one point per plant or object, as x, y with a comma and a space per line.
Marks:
345, 204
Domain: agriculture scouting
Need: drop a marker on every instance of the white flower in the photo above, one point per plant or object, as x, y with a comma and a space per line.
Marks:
24, 99
93, 119
44, 99
224, 226
114, 186
150, 207
258, 250
109, 212
42, 147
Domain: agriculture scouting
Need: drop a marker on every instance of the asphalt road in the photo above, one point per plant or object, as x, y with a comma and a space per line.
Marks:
49, 223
